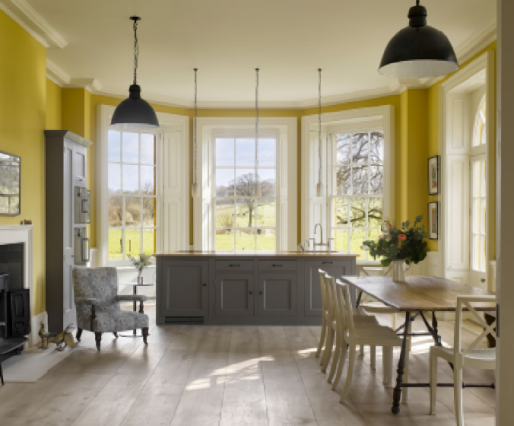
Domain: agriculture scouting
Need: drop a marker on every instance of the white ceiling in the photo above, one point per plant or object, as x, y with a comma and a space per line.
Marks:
226, 39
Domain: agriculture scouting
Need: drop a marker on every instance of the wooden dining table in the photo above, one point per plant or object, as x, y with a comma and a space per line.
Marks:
416, 295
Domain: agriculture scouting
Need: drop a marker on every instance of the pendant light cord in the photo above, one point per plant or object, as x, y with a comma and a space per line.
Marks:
194, 132
136, 48
319, 125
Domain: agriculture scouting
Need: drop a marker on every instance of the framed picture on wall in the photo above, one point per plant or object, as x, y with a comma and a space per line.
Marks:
10, 189
434, 171
433, 220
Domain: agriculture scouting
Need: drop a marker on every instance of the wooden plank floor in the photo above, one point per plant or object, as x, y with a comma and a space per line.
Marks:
229, 376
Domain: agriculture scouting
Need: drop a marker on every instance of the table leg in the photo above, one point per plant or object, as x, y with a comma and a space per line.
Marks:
358, 299
436, 331
397, 393
134, 292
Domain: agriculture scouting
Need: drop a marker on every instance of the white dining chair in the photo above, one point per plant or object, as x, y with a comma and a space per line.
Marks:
463, 357
329, 335
361, 335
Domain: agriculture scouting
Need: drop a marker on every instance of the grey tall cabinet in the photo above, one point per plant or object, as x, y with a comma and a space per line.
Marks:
67, 216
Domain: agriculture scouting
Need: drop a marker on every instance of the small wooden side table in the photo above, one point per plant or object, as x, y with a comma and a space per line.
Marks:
134, 292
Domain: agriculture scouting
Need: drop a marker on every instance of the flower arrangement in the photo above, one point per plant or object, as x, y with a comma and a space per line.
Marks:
140, 262
403, 243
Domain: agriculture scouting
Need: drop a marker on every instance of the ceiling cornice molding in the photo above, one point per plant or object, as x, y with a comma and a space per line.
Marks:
23, 14
464, 51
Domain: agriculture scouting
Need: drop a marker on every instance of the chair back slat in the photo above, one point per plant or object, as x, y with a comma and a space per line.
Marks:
465, 302
323, 286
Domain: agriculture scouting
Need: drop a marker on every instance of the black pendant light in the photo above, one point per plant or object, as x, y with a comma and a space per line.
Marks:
134, 112
419, 50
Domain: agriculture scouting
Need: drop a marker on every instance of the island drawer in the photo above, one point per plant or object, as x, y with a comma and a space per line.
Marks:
235, 265
277, 265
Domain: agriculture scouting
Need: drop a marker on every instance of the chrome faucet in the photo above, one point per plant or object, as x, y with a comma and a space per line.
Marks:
321, 243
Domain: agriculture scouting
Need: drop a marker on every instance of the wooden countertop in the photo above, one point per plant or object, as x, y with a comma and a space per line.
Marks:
292, 254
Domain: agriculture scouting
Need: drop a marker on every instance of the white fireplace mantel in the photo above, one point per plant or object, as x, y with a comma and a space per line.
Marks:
16, 234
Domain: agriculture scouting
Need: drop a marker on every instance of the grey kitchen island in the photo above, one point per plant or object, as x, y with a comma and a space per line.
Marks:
279, 288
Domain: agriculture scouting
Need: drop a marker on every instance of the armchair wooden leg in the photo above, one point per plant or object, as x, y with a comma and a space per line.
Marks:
145, 335
115, 334
141, 306
79, 333
98, 338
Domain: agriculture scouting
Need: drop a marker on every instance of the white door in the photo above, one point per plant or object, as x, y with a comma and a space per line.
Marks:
478, 210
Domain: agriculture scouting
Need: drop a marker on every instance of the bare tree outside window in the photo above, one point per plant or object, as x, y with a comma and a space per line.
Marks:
245, 195
357, 204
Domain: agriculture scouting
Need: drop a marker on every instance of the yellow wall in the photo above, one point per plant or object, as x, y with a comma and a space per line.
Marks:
53, 106
22, 121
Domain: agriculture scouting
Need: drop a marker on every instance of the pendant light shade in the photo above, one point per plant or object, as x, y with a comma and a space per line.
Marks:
419, 50
134, 112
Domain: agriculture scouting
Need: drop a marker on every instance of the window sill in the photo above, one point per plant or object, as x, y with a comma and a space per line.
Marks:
128, 267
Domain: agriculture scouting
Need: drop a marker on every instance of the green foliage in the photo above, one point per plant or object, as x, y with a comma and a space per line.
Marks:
406, 243
140, 263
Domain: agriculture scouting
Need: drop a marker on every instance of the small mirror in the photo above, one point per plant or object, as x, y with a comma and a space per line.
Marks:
10, 190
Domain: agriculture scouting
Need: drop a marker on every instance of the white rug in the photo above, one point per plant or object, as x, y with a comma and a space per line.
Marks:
30, 366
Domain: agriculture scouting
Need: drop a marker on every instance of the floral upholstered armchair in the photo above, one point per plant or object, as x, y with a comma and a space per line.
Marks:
98, 308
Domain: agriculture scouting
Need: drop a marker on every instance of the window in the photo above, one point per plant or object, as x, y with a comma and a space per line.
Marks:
132, 203
356, 202
479, 191
246, 194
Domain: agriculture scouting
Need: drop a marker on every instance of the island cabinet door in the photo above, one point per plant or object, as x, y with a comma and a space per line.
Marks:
234, 295
277, 295
335, 268
183, 291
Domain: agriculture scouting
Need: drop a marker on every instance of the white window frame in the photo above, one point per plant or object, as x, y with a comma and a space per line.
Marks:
172, 186
317, 209
285, 130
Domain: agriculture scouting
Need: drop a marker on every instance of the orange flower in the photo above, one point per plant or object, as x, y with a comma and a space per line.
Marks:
402, 237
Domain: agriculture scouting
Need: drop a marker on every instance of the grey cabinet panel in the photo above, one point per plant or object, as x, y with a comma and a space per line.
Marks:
277, 265
335, 268
235, 265
184, 288
234, 294
277, 294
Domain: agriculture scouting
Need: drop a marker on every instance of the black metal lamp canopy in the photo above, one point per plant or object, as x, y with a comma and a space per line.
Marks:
134, 112
419, 50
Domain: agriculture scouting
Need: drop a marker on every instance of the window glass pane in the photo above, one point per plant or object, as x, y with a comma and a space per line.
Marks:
340, 216
482, 253
356, 239
343, 148
376, 154
225, 152
376, 180
245, 182
375, 206
360, 179
476, 179
115, 212
266, 240
245, 211
130, 147
482, 216
114, 146
266, 182
245, 240
149, 247
358, 212
114, 179
130, 179
224, 182
482, 180
149, 218
245, 152
115, 244
265, 212
225, 213
476, 215
340, 240
133, 241
343, 180
132, 211
360, 148
147, 149
224, 240
476, 251
266, 152
148, 180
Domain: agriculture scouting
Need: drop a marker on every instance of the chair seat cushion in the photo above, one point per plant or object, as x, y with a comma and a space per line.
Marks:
488, 354
110, 321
